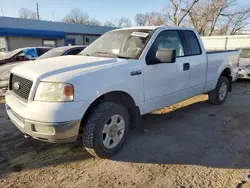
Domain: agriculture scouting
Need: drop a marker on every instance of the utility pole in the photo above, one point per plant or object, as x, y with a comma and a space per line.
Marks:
2, 10
37, 11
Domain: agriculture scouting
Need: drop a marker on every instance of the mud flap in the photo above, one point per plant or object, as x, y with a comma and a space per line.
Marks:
137, 120
230, 83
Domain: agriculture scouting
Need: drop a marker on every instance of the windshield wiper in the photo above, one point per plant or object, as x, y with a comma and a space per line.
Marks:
123, 57
84, 54
112, 54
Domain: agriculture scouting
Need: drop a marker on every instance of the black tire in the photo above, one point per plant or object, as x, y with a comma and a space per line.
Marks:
92, 129
214, 96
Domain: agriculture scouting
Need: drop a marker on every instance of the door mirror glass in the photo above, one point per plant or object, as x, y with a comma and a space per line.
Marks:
166, 55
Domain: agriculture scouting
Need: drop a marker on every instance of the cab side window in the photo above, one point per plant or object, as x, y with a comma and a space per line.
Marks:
166, 39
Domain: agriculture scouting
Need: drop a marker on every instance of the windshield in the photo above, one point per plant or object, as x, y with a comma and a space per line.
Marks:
10, 54
52, 53
120, 43
245, 53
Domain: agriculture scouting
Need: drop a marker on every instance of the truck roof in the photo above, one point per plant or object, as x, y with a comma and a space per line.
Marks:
156, 27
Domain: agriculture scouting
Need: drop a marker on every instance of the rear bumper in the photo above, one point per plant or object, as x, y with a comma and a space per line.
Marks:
243, 76
243, 73
49, 132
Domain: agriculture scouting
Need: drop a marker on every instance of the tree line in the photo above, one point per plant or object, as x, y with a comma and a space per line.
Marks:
208, 17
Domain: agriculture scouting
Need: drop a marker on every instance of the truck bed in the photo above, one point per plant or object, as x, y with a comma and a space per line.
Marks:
219, 51
217, 61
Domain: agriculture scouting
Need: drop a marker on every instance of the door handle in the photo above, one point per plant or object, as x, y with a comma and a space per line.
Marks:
134, 73
186, 66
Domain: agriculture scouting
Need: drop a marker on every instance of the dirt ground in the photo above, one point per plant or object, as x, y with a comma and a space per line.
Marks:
190, 144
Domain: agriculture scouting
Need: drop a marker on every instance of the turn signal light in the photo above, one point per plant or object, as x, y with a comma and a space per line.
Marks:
68, 90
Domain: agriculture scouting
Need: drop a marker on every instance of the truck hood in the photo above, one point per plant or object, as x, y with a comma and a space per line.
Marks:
64, 68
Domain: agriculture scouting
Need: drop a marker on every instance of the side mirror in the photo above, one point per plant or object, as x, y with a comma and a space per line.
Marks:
166, 55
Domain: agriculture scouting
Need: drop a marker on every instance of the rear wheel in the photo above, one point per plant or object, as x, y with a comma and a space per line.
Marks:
219, 94
106, 129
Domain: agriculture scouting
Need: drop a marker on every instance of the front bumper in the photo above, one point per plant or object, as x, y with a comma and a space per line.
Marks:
49, 132
46, 121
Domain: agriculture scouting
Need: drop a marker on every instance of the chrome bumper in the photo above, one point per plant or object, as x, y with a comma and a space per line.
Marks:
50, 132
243, 76
243, 73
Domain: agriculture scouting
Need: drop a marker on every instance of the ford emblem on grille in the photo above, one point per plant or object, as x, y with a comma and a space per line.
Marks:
16, 86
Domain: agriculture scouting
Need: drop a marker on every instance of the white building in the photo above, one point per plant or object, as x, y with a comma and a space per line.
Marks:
226, 42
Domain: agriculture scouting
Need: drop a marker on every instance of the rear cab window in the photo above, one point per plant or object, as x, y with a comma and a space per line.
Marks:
192, 44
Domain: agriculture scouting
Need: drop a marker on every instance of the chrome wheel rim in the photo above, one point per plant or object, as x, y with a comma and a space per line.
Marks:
222, 91
113, 131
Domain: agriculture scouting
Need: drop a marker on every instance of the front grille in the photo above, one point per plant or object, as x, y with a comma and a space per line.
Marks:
24, 84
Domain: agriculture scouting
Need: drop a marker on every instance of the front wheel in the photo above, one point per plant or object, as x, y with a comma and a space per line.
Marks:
106, 129
219, 94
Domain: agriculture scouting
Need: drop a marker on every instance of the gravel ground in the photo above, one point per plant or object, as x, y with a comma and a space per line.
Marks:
190, 144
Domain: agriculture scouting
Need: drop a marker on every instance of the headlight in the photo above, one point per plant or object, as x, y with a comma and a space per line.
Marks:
5, 76
54, 92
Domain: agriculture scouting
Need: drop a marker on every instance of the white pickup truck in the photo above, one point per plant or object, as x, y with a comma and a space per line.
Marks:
103, 92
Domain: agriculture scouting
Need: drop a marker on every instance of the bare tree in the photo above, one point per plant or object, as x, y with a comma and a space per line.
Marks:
219, 17
177, 10
121, 22
200, 16
109, 24
156, 18
94, 22
150, 18
76, 16
141, 19
218, 9
205, 14
25, 13
236, 22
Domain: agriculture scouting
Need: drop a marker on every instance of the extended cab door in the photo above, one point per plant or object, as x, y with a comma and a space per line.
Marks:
197, 59
165, 83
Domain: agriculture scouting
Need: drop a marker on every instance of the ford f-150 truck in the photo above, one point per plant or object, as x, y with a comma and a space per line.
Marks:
124, 74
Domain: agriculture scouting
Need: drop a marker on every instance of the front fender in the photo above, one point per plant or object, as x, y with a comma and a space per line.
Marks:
95, 84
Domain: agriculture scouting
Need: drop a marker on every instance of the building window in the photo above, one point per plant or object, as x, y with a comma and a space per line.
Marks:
3, 45
70, 42
49, 43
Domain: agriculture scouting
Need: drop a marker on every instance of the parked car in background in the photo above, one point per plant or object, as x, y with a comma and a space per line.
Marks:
124, 74
60, 51
244, 64
22, 54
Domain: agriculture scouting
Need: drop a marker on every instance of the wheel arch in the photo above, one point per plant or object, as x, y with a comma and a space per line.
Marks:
118, 97
228, 74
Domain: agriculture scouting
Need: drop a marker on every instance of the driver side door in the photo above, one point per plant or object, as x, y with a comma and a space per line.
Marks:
165, 83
